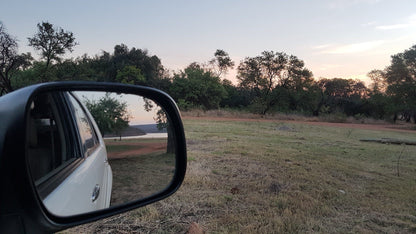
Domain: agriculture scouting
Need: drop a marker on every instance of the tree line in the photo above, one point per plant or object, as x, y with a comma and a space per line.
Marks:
268, 83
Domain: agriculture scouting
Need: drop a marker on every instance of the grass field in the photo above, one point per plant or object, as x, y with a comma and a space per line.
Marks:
138, 170
140, 177
268, 177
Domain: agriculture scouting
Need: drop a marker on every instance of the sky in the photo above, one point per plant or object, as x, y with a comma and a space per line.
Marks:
338, 38
135, 105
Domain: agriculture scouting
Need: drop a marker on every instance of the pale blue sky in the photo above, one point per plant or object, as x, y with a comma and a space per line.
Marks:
135, 105
340, 38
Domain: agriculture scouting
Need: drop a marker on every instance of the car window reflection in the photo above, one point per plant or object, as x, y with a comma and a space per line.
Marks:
47, 147
87, 135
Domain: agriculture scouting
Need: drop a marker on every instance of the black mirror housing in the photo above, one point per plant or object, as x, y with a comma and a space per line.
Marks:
20, 206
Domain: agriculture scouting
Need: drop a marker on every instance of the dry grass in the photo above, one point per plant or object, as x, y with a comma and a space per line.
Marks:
136, 177
229, 113
273, 177
139, 168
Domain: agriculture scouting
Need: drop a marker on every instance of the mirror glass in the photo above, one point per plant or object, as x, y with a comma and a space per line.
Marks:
91, 150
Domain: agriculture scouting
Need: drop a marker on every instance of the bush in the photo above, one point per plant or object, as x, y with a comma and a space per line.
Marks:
184, 105
337, 117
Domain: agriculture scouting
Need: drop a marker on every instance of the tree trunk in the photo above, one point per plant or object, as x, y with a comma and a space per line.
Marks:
6, 86
170, 149
43, 77
320, 104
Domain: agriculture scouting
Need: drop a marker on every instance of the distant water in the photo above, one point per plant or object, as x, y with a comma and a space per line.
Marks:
149, 128
147, 136
146, 131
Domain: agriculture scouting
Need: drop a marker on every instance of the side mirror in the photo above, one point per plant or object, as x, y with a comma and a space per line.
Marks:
97, 149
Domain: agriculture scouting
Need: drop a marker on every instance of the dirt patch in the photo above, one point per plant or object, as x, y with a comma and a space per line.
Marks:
402, 127
146, 148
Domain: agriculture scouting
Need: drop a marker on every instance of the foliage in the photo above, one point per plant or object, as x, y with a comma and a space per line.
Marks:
52, 43
342, 95
237, 97
10, 61
268, 73
162, 122
379, 105
378, 84
222, 62
149, 67
28, 76
130, 75
198, 87
109, 113
400, 77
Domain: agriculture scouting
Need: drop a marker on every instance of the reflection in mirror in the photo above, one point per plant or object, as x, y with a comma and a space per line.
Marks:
77, 170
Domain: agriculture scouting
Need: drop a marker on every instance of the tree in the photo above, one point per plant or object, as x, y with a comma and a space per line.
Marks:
28, 76
222, 62
130, 75
131, 66
262, 73
343, 95
196, 87
10, 61
297, 76
237, 97
162, 122
52, 43
109, 113
80, 68
273, 76
378, 81
379, 105
400, 77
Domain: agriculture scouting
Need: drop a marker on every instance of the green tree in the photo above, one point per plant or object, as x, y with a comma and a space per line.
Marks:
29, 76
345, 96
52, 44
297, 84
379, 104
297, 76
196, 87
130, 75
400, 77
110, 114
150, 66
162, 122
378, 84
237, 97
262, 74
273, 76
10, 61
221, 62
